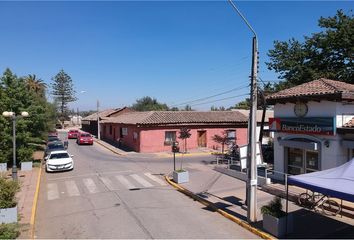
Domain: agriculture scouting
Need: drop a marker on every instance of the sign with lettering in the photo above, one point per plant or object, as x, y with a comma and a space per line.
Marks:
311, 125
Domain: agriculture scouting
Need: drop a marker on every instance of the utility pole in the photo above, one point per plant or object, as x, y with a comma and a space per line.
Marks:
98, 121
251, 194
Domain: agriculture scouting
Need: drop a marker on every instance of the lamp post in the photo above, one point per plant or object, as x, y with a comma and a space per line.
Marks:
251, 195
13, 116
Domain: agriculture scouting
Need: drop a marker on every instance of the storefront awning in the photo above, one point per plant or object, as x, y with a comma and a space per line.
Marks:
299, 144
348, 144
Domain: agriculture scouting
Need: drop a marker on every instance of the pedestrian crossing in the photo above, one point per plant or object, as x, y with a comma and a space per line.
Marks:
93, 185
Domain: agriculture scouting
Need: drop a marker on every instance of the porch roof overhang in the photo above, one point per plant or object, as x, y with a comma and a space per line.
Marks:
345, 130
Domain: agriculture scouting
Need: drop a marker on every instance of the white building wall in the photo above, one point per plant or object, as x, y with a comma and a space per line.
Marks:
331, 156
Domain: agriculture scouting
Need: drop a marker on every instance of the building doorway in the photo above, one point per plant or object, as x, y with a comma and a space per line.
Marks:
301, 161
202, 142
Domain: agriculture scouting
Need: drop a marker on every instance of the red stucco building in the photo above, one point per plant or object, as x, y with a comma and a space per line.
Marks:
154, 131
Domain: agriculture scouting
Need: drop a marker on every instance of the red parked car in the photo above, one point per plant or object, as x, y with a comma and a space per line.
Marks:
84, 138
73, 134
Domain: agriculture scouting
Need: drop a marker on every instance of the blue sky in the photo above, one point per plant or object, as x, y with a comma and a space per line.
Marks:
175, 51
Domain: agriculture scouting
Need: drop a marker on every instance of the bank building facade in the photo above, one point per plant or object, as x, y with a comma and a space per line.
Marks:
313, 126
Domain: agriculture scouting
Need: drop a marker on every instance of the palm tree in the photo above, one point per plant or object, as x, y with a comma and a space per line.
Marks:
36, 85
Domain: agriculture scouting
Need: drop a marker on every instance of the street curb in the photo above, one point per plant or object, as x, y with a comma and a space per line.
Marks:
35, 201
116, 152
211, 205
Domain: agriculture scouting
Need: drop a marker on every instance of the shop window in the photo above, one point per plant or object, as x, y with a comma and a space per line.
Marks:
295, 157
312, 161
170, 137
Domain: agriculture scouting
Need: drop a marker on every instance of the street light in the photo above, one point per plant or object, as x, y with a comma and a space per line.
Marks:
13, 116
251, 196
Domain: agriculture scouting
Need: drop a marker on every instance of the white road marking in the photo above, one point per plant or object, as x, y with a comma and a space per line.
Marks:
108, 183
90, 185
125, 182
155, 179
141, 180
72, 188
52, 192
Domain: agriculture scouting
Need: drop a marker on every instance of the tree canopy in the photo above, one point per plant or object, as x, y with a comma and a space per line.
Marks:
63, 92
17, 95
327, 54
149, 104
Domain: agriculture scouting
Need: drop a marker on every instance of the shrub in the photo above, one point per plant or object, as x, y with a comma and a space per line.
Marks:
274, 208
9, 231
8, 190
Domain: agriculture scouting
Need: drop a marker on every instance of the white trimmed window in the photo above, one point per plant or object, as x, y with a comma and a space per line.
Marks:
170, 137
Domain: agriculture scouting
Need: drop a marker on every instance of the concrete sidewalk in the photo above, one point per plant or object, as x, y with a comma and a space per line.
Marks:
25, 199
228, 194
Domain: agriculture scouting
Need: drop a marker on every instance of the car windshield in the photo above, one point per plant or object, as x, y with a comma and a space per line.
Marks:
56, 146
85, 135
53, 138
59, 155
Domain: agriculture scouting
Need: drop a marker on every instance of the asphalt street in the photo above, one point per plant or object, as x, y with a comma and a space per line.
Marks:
110, 196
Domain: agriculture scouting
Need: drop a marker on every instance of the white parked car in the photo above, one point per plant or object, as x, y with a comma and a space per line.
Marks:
59, 161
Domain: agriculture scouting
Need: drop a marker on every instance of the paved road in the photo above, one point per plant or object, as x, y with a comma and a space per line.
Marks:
107, 196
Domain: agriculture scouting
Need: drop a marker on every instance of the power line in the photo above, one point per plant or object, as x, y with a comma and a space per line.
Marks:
222, 99
205, 98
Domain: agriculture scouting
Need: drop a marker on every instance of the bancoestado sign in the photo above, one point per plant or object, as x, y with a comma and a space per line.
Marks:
312, 125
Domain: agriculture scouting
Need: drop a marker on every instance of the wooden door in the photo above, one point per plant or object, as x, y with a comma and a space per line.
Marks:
202, 139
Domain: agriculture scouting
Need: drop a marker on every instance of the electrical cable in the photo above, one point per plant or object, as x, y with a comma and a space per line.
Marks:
215, 95
217, 100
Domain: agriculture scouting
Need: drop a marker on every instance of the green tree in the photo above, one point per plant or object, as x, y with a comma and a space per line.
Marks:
212, 108
63, 92
327, 54
184, 134
149, 104
15, 96
187, 108
245, 104
36, 85
222, 139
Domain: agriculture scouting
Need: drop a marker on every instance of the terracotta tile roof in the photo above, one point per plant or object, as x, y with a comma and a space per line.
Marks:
317, 88
178, 118
104, 113
269, 114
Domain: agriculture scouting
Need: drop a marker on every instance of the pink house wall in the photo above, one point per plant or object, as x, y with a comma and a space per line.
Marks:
152, 139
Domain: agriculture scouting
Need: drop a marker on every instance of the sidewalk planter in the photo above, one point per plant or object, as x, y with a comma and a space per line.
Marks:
8, 215
3, 167
274, 218
180, 176
277, 226
26, 166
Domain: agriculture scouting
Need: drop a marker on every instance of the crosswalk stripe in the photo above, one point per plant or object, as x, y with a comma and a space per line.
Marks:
156, 179
72, 188
108, 183
90, 185
141, 180
52, 192
125, 182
